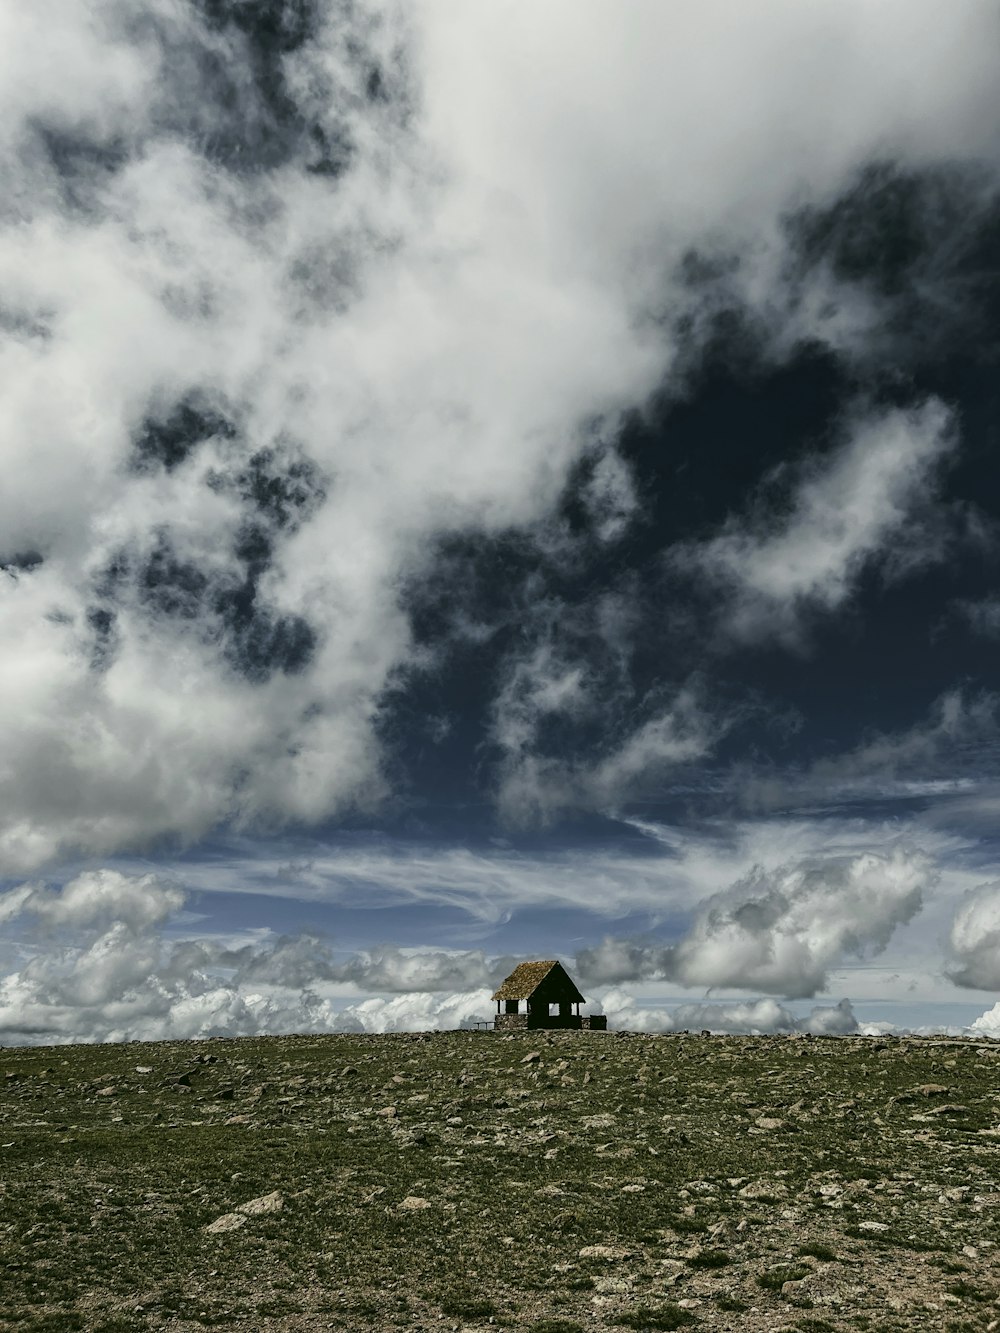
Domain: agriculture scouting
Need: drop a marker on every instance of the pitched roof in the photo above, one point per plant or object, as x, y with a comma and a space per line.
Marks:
528, 977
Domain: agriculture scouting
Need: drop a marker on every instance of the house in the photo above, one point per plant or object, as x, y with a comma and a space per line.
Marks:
548, 995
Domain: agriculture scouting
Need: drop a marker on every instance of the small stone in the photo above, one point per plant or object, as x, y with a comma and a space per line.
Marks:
266, 1203
227, 1222
531, 1058
873, 1226
762, 1189
610, 1253
144, 1069
387, 1112
413, 1203
955, 1195
768, 1122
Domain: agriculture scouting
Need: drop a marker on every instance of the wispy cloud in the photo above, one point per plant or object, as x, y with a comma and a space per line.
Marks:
866, 505
948, 755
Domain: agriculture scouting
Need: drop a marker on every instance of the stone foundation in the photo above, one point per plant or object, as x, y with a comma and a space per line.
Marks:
533, 1022
510, 1023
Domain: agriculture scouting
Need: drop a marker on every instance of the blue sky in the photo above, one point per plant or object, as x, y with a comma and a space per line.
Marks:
478, 489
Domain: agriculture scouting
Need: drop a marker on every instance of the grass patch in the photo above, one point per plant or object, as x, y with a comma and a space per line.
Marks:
732, 1304
821, 1252
708, 1259
467, 1307
968, 1291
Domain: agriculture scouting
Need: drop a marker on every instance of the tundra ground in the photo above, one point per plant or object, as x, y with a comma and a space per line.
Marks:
552, 1182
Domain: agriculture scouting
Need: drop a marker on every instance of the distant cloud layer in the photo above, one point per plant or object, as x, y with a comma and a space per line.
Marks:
95, 962
97, 967
283, 303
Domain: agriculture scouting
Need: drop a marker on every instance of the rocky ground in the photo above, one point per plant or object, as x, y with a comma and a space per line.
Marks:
551, 1183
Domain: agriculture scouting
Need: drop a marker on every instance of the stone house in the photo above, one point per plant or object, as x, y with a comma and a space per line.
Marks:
549, 997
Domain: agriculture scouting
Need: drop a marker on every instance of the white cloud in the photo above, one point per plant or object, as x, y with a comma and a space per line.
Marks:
863, 506
96, 966
751, 1017
435, 318
988, 1024
974, 942
779, 931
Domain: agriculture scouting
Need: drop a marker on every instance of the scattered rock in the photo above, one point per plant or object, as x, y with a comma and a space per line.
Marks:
610, 1253
531, 1058
266, 1203
763, 1189
413, 1203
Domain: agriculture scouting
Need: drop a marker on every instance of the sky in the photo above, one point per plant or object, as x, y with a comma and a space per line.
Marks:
483, 482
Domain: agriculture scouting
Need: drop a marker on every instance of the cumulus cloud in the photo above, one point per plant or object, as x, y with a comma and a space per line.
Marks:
988, 1024
974, 939
281, 302
96, 965
864, 506
779, 931
749, 1018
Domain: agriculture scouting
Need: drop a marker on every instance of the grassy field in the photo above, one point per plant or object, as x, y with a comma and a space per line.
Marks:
544, 1182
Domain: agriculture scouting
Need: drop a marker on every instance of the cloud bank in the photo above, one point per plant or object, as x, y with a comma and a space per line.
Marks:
100, 960
750, 1018
97, 966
